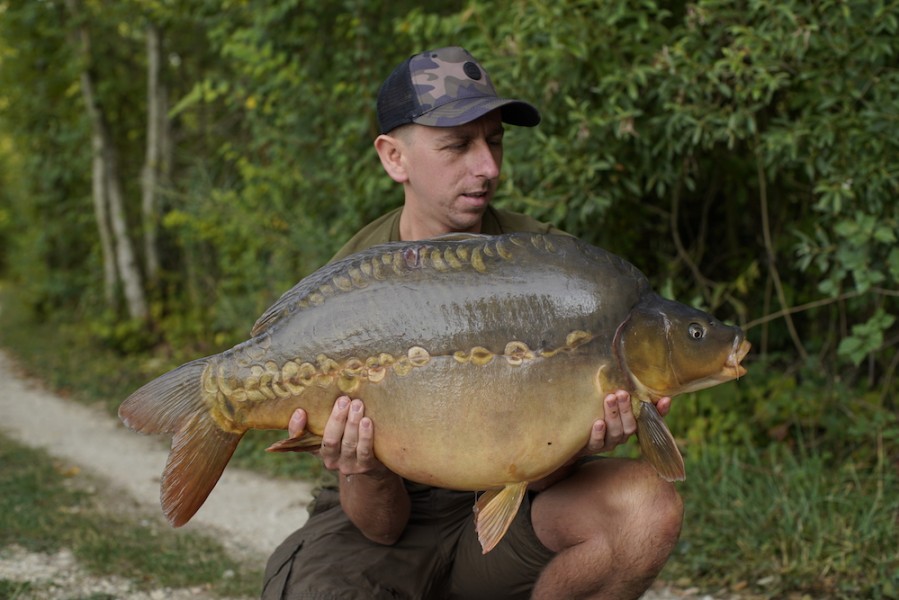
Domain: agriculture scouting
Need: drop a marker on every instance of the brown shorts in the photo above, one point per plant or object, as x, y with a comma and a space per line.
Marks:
438, 555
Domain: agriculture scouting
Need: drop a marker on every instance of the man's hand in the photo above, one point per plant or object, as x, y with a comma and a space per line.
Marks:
373, 497
347, 441
618, 422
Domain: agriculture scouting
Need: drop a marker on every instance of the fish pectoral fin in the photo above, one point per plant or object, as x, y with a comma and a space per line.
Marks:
307, 442
658, 444
494, 512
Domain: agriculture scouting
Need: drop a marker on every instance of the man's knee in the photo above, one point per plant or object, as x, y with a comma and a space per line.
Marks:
664, 503
658, 517
610, 497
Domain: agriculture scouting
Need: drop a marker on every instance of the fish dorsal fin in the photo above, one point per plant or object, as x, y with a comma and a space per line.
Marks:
494, 512
658, 444
305, 442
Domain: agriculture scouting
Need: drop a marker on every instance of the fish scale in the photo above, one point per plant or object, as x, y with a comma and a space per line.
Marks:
483, 362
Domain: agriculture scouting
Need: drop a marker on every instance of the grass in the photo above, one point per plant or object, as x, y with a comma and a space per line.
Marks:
14, 590
768, 517
46, 505
782, 523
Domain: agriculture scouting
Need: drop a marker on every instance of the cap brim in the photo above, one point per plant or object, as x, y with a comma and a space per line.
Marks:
465, 110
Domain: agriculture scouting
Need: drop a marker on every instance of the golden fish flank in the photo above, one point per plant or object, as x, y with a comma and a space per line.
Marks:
452, 258
437, 261
357, 278
517, 352
269, 381
478, 355
343, 283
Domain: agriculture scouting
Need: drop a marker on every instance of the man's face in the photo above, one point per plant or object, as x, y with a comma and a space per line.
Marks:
453, 171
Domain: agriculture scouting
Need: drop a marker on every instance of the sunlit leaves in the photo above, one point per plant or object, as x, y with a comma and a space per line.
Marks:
866, 337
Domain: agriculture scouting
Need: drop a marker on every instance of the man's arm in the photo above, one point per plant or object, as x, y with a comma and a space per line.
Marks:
373, 497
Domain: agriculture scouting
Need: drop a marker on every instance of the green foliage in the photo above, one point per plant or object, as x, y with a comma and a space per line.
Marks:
42, 157
866, 337
834, 420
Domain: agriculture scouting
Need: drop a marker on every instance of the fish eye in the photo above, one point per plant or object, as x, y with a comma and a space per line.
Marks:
696, 331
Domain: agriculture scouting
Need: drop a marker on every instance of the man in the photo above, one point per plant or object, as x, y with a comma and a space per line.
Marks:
594, 529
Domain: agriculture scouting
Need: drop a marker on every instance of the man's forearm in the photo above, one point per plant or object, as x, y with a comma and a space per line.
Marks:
377, 503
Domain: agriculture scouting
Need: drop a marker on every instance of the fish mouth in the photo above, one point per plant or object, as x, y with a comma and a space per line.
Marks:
732, 365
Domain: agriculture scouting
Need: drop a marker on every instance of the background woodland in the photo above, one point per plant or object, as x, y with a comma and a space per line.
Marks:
168, 169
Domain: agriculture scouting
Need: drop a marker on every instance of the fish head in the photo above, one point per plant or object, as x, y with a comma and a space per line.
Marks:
669, 348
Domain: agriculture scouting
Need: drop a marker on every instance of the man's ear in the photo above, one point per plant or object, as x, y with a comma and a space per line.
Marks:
390, 151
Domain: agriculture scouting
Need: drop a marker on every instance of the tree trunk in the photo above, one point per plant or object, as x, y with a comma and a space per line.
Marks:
129, 273
109, 203
98, 184
152, 170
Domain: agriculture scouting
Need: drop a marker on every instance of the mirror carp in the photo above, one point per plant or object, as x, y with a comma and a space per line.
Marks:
483, 362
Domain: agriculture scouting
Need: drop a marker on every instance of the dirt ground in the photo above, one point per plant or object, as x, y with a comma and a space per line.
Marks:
87, 437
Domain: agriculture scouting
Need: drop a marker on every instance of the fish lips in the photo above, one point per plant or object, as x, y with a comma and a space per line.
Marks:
733, 369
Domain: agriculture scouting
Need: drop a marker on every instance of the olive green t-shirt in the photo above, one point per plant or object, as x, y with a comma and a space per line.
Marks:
386, 228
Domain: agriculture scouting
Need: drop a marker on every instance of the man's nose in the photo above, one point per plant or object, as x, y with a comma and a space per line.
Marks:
486, 159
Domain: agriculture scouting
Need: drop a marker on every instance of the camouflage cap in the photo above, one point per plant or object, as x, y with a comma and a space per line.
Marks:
443, 88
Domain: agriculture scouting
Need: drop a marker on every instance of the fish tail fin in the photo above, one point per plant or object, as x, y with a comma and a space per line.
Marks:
658, 445
174, 403
494, 512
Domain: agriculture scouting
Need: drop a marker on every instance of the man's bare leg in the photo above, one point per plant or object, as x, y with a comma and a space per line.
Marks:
613, 524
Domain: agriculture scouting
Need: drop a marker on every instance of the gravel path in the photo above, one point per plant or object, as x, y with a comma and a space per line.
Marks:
252, 514
99, 443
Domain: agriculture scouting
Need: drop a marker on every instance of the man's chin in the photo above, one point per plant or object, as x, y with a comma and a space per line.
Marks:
474, 205
469, 218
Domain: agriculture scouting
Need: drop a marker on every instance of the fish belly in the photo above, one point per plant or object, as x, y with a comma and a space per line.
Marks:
476, 426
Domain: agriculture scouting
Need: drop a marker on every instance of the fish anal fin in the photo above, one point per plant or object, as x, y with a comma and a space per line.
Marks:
658, 445
494, 512
200, 452
306, 442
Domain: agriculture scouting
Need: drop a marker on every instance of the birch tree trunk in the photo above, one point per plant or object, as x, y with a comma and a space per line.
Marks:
107, 187
98, 189
129, 272
151, 173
